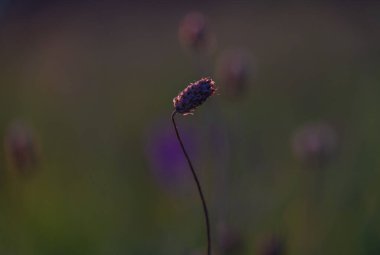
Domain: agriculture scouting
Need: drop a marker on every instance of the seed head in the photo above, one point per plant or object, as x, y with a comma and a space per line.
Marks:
194, 95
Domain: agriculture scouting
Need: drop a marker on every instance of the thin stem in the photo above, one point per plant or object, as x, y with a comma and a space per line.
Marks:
205, 211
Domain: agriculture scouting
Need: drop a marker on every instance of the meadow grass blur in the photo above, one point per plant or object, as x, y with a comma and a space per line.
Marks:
92, 84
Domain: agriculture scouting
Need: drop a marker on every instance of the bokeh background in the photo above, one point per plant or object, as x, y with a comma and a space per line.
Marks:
287, 152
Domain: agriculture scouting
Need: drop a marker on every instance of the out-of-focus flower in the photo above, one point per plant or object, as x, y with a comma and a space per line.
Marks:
21, 148
230, 241
165, 157
194, 95
193, 31
272, 246
232, 73
315, 143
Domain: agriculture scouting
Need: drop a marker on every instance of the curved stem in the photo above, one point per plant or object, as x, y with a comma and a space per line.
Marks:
205, 211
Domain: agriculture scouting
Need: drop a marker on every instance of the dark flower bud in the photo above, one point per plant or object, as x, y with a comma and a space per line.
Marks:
193, 31
315, 144
21, 148
194, 95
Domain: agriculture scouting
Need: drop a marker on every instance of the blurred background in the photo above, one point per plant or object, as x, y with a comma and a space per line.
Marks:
287, 152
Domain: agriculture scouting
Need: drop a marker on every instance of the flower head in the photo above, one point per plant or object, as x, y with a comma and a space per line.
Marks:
194, 95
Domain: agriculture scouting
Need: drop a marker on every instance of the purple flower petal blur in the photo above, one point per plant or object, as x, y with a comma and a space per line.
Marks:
166, 160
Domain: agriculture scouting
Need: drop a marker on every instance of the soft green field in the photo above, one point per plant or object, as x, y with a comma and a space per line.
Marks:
94, 81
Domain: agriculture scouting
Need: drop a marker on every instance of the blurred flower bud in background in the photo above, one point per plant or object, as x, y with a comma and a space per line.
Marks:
315, 143
194, 33
21, 148
232, 73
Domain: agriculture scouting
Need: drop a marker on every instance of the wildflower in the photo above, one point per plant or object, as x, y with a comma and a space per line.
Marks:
194, 95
